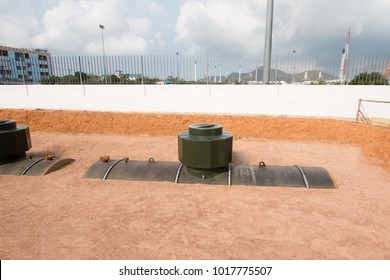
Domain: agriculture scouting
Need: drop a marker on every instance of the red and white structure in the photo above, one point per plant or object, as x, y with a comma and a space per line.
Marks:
345, 57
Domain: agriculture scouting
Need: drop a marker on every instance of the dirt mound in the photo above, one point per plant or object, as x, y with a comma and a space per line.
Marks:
374, 141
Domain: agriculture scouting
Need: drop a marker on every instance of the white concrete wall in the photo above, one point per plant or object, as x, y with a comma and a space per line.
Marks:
290, 100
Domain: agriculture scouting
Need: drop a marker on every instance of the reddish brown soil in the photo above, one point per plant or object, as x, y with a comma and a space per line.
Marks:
64, 216
372, 140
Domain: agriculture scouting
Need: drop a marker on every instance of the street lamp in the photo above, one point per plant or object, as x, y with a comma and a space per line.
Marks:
177, 67
239, 75
101, 26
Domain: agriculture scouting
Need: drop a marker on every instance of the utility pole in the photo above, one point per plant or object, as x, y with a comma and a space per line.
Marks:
268, 42
101, 26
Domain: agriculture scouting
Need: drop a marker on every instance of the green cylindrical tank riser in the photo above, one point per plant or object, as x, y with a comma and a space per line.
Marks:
14, 142
205, 147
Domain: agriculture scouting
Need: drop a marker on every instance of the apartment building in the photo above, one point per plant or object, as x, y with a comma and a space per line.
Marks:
19, 65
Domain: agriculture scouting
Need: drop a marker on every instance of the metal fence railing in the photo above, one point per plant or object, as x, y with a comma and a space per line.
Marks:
364, 117
206, 69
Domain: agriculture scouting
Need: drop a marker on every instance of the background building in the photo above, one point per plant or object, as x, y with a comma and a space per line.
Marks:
24, 65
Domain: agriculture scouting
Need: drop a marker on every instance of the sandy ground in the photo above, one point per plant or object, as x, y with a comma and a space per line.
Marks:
64, 216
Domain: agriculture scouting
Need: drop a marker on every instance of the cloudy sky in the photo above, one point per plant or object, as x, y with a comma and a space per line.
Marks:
226, 27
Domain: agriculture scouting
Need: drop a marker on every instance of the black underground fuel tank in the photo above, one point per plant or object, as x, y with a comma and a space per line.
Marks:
205, 156
15, 141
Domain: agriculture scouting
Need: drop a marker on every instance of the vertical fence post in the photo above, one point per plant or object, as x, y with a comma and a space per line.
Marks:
22, 67
207, 69
81, 76
195, 73
142, 74
142, 69
358, 110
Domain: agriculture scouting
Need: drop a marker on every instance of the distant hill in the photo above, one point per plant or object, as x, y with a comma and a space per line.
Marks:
312, 75
279, 75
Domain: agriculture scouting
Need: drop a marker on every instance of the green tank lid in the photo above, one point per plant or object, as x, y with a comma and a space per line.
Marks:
205, 146
14, 141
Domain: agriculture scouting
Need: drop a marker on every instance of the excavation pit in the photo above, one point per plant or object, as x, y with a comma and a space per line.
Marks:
66, 216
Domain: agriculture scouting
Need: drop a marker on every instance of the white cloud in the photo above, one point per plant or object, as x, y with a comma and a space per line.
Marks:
18, 30
310, 24
72, 27
317, 19
226, 27
238, 26
18, 24
220, 26
151, 7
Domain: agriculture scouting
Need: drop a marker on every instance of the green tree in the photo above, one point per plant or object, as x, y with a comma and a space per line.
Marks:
83, 76
113, 79
92, 79
374, 78
69, 79
49, 80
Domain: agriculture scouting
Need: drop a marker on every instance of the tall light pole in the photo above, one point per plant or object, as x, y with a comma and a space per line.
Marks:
101, 26
268, 42
294, 62
196, 76
220, 73
226, 75
177, 67
256, 73
239, 75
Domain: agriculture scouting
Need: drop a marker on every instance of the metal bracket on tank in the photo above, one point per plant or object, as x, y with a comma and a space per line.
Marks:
34, 166
178, 173
229, 174
112, 166
31, 165
307, 185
